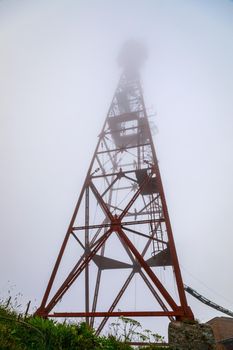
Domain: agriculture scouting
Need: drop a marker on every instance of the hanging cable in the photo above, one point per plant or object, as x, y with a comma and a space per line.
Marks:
205, 285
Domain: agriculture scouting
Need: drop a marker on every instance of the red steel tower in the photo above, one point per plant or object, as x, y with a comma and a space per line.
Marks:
120, 224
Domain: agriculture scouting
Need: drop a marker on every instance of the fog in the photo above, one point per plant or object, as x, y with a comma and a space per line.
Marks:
58, 74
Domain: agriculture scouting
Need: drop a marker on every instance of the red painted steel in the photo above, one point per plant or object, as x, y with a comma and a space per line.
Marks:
123, 188
138, 343
119, 314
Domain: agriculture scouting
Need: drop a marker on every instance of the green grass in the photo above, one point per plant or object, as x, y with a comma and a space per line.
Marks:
35, 333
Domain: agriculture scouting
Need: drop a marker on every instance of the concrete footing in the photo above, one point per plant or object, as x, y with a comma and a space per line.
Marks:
190, 336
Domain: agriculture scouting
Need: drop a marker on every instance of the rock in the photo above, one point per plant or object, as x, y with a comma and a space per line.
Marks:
190, 336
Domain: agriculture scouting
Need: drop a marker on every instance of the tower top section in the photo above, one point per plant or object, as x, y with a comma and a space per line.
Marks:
132, 55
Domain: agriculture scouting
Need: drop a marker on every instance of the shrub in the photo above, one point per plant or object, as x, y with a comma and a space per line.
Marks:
35, 333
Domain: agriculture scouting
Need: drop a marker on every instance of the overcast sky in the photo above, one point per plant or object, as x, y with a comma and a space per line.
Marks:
58, 73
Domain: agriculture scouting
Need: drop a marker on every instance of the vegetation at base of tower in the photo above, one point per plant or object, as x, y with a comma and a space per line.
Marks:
34, 333
128, 330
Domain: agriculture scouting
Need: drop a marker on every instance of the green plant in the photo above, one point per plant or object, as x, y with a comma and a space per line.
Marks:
125, 329
128, 330
35, 333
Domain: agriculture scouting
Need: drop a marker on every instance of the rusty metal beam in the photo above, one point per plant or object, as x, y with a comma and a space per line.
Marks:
123, 148
148, 270
73, 276
115, 302
119, 314
121, 162
87, 247
124, 223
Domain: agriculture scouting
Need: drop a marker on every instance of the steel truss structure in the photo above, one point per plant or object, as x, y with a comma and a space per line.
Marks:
124, 183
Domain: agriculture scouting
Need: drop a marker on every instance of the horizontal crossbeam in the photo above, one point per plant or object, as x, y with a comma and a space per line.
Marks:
118, 314
138, 222
113, 174
122, 149
155, 345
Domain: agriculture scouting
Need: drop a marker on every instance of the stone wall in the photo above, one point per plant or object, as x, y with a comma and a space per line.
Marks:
222, 328
190, 336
